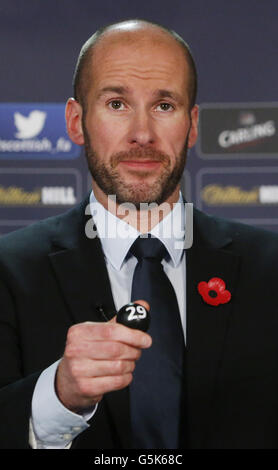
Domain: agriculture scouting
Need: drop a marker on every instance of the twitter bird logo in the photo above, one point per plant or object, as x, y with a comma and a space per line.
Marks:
29, 126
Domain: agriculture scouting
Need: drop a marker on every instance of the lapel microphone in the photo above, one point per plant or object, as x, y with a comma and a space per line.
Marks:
100, 310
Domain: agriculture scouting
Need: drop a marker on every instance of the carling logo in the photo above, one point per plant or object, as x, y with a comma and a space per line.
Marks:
238, 130
34, 131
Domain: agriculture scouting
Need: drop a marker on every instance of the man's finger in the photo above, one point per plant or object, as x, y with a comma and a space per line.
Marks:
101, 368
144, 303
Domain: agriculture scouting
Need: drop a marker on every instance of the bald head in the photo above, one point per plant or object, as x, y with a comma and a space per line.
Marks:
129, 32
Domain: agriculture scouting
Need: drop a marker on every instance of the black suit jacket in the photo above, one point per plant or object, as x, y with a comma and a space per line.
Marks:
52, 275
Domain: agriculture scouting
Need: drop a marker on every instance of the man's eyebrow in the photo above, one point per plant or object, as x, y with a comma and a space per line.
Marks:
119, 90
168, 94
158, 94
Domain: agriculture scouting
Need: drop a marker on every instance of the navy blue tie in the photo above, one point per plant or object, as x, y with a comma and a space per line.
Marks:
155, 392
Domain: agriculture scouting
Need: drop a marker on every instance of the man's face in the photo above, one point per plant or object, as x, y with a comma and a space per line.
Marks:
137, 124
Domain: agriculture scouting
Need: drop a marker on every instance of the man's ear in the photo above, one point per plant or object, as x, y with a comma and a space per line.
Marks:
193, 134
74, 121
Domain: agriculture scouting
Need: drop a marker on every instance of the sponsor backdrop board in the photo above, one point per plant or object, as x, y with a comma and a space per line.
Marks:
247, 194
232, 171
230, 131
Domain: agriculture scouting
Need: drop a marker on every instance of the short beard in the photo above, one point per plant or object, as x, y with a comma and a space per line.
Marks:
111, 183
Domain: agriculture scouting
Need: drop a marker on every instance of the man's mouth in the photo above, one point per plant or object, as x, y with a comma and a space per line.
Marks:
141, 164
140, 159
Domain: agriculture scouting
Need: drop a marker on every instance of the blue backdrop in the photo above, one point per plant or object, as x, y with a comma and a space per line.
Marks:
232, 172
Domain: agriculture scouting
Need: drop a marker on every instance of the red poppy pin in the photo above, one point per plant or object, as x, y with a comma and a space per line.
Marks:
214, 291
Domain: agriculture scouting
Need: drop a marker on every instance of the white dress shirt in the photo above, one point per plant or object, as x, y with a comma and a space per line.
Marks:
52, 426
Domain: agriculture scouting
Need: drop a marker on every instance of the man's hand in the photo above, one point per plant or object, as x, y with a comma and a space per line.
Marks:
98, 358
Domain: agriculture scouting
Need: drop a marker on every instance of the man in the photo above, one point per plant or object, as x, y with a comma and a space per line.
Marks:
66, 372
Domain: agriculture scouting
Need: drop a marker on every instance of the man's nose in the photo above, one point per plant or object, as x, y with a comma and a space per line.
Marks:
141, 131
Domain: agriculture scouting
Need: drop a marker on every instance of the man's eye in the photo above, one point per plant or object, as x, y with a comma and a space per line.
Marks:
165, 106
116, 104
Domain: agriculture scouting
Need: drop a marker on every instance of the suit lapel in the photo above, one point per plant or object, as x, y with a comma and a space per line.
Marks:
84, 283
207, 325
79, 266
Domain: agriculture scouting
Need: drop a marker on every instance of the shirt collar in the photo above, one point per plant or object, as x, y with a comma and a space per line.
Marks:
117, 236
